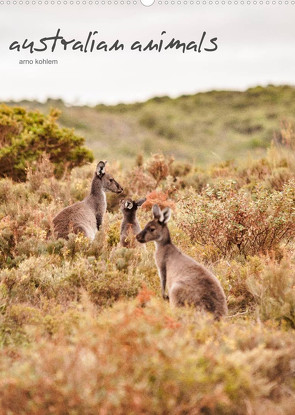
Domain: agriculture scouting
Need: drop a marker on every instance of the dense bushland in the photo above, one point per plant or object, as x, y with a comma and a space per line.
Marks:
83, 328
135, 359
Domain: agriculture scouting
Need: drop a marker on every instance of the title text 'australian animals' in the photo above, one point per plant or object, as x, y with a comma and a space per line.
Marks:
92, 43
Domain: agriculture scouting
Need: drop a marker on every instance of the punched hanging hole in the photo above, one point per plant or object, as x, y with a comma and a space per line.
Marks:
147, 3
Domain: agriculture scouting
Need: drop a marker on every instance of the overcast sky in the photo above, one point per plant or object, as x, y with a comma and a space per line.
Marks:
256, 45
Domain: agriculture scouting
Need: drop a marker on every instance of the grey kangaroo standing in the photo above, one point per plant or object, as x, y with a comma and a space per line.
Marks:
130, 226
86, 216
188, 282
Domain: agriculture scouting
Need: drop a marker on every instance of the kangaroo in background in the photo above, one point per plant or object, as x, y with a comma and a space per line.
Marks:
130, 226
86, 216
188, 281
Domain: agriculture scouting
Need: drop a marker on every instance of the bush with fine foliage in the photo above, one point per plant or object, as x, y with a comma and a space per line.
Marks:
25, 136
274, 290
238, 222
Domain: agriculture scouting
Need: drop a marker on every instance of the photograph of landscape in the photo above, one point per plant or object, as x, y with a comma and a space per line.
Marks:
147, 234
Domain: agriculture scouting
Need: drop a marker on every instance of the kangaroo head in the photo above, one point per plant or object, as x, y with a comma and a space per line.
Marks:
128, 205
155, 229
106, 180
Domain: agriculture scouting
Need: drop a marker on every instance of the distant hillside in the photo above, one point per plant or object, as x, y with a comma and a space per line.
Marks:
205, 127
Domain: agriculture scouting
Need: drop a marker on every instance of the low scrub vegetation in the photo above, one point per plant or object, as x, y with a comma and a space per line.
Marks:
83, 327
135, 359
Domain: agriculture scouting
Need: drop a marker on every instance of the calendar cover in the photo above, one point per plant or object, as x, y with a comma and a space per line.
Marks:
147, 207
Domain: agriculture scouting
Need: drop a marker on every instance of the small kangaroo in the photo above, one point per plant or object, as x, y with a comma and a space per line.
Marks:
86, 216
130, 226
188, 281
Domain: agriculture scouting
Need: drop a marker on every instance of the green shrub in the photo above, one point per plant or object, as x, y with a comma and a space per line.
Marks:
25, 136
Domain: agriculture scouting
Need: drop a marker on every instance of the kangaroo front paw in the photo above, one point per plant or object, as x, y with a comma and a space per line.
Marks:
165, 297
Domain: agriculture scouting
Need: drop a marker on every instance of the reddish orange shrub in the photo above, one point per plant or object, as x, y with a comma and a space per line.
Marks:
144, 295
158, 198
159, 167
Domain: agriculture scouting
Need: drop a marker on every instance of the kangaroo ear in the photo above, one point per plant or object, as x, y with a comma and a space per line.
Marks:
140, 202
166, 213
100, 169
157, 213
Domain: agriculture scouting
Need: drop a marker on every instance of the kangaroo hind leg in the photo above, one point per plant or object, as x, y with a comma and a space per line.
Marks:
177, 295
80, 229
